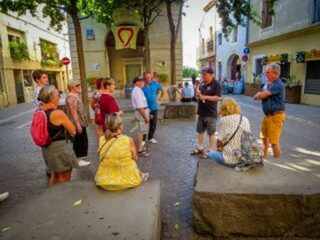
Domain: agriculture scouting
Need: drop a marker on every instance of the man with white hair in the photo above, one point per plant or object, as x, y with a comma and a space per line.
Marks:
273, 106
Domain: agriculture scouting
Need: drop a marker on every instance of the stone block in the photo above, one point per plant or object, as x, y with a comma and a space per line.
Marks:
176, 110
262, 203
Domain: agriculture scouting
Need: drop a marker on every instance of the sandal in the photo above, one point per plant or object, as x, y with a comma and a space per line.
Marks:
143, 153
144, 176
197, 151
205, 155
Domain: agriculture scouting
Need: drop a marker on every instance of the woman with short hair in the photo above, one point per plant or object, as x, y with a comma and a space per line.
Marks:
231, 126
59, 155
118, 169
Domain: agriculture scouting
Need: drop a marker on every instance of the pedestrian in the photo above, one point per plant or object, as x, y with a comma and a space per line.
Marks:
139, 103
173, 91
194, 78
4, 196
76, 113
272, 96
94, 103
151, 90
117, 169
58, 155
209, 93
107, 103
186, 93
41, 79
231, 126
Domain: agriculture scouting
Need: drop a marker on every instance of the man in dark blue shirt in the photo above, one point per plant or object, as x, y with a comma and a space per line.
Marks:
273, 106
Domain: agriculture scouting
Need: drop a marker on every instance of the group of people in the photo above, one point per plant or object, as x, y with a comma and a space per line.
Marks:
233, 124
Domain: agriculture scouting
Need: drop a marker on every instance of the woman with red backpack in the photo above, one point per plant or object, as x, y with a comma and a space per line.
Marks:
58, 154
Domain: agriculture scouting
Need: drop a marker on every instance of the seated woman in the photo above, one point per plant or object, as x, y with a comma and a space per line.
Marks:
59, 155
186, 93
118, 169
231, 126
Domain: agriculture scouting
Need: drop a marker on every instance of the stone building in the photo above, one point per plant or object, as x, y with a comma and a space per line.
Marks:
207, 36
26, 44
291, 38
103, 59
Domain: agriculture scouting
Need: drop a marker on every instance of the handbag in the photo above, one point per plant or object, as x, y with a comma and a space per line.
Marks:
225, 143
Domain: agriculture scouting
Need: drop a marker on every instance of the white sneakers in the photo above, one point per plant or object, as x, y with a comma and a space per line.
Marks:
4, 196
152, 140
82, 162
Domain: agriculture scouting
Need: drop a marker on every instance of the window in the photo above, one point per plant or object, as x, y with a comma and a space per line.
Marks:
316, 11
235, 34
285, 70
210, 46
312, 85
266, 17
203, 47
14, 38
211, 33
49, 53
220, 39
27, 79
259, 66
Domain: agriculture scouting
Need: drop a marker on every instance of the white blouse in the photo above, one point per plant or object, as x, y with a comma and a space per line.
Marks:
227, 127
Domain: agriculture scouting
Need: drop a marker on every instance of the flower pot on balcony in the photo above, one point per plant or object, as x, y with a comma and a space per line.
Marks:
293, 94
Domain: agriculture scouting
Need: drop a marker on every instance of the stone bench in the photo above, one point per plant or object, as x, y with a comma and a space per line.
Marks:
176, 110
267, 203
130, 214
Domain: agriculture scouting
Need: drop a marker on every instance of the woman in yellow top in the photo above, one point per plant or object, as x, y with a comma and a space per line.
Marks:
118, 169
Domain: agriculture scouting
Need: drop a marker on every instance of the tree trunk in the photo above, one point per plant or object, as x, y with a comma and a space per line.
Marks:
82, 66
146, 59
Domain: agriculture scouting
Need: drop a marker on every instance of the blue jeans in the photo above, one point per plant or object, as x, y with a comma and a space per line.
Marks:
218, 157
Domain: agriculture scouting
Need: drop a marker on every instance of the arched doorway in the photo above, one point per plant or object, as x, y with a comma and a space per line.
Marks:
234, 67
124, 64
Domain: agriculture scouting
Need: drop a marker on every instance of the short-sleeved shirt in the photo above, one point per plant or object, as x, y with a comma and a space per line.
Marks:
209, 108
187, 92
138, 98
151, 92
107, 105
275, 102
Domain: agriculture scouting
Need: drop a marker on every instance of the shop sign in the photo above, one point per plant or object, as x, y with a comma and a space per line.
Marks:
274, 58
312, 54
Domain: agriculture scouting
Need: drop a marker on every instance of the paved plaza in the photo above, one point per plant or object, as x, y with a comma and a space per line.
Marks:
22, 168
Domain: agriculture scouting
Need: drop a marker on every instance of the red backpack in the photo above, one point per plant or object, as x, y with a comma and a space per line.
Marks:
39, 129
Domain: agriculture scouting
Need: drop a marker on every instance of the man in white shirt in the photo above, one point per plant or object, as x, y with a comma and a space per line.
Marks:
139, 103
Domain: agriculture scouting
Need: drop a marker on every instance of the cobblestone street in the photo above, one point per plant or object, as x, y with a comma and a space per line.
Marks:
23, 172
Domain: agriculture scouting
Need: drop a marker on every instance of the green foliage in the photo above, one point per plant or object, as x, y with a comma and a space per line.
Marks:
256, 78
49, 53
292, 81
188, 72
233, 13
163, 77
19, 51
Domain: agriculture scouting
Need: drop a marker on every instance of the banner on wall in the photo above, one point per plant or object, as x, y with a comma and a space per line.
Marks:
125, 36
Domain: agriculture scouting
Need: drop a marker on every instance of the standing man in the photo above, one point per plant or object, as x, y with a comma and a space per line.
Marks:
41, 79
139, 103
151, 90
273, 106
208, 94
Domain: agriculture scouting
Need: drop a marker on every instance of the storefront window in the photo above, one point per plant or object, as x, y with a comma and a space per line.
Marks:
312, 85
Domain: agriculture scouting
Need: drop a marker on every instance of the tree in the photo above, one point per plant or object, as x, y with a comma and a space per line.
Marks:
56, 10
174, 32
233, 13
148, 10
188, 72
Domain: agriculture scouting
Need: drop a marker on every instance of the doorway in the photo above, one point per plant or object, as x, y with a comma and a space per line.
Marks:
53, 79
132, 70
19, 86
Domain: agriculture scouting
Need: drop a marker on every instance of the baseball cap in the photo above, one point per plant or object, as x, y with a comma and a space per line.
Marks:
137, 79
207, 70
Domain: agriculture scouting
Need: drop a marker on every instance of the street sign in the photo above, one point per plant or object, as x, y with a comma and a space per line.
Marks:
246, 51
244, 58
65, 61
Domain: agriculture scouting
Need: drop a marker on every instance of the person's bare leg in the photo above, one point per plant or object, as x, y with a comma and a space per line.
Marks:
276, 150
265, 143
211, 142
201, 139
140, 138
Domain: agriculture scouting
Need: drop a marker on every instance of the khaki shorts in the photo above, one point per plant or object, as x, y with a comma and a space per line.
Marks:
271, 127
143, 127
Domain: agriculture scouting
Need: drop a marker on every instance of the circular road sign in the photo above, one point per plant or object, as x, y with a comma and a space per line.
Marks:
65, 61
246, 51
244, 58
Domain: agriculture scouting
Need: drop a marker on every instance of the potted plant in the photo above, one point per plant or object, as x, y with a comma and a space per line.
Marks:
163, 78
19, 51
253, 87
293, 89
50, 56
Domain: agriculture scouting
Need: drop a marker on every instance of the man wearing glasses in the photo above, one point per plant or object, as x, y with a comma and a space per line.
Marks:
273, 106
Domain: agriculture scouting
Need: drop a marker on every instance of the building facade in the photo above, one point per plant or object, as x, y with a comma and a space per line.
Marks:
207, 36
291, 38
27, 44
103, 59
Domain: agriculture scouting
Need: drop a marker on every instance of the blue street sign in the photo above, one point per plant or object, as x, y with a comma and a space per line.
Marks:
246, 51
